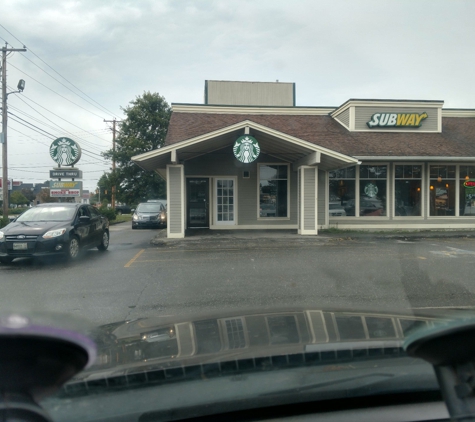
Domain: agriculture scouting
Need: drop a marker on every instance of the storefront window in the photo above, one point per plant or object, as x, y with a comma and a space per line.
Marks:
442, 190
373, 191
342, 192
273, 189
467, 191
407, 190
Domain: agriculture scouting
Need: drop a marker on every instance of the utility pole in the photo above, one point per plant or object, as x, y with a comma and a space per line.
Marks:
113, 160
21, 86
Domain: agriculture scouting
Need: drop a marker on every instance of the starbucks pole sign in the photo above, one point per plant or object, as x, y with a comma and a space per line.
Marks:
246, 149
65, 152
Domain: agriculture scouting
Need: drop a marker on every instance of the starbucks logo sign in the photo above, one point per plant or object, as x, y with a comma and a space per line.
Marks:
65, 152
371, 190
246, 149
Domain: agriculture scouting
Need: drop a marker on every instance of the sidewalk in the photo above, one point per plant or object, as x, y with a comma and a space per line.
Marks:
216, 238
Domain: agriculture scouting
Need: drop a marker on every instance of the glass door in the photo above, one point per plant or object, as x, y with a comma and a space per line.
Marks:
198, 202
225, 201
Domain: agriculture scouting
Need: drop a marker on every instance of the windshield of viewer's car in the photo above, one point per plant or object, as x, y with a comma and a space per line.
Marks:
48, 214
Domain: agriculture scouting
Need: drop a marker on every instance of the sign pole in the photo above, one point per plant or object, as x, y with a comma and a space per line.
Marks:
4, 128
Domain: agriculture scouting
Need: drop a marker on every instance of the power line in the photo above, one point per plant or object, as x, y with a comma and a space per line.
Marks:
86, 152
45, 124
52, 90
27, 122
101, 108
39, 58
54, 114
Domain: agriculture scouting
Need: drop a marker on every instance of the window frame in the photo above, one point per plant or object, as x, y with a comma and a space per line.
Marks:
259, 218
457, 198
234, 222
358, 186
423, 189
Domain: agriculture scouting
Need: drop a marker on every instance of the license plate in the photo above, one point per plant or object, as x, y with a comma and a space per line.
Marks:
20, 246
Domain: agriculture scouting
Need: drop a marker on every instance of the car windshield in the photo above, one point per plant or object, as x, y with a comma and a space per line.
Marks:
149, 207
219, 206
58, 213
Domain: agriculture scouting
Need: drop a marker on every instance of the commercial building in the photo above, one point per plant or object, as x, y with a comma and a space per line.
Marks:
248, 158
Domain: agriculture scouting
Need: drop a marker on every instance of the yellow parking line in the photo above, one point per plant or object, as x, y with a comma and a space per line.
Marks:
134, 258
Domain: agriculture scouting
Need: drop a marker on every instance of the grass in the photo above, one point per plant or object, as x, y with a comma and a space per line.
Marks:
122, 219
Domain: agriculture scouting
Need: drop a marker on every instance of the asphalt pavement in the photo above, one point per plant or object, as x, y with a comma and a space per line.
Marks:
145, 274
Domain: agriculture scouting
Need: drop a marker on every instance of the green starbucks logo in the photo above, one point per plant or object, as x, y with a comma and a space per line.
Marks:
371, 190
246, 149
65, 152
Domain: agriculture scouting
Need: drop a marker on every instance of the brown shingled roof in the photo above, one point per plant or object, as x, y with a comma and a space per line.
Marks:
456, 140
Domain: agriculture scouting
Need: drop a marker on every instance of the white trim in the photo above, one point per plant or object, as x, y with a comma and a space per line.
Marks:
214, 218
422, 179
456, 182
412, 130
242, 125
302, 230
352, 118
409, 226
183, 185
454, 112
358, 185
327, 198
259, 218
308, 160
221, 109
432, 159
389, 103
257, 227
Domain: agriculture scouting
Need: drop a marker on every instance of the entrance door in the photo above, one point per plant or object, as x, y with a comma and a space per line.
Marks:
198, 202
225, 189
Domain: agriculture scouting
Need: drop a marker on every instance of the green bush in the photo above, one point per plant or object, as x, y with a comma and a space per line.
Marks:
13, 211
108, 212
4, 222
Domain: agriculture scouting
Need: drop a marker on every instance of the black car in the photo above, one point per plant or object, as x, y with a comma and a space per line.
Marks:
54, 229
150, 215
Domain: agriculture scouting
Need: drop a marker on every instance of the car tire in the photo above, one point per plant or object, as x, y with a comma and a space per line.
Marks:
6, 260
133, 227
104, 242
73, 248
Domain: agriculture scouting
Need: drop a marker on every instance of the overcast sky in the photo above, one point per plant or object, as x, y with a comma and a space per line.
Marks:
113, 51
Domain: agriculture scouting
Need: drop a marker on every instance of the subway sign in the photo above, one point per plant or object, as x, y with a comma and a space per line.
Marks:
397, 120
65, 189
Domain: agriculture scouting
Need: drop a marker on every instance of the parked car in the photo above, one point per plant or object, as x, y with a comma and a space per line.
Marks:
54, 229
123, 209
149, 215
336, 210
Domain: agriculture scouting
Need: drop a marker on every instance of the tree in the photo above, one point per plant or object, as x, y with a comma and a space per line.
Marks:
17, 198
44, 196
29, 194
144, 129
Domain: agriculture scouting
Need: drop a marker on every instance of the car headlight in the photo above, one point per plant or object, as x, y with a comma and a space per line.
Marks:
54, 233
2, 235
135, 217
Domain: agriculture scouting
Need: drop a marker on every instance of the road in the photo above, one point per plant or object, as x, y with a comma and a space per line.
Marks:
136, 279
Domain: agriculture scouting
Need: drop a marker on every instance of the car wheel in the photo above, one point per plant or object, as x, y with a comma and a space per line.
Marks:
104, 242
133, 227
73, 248
6, 260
